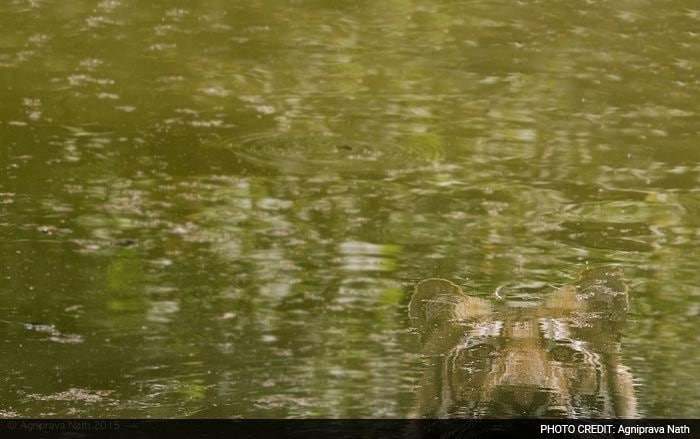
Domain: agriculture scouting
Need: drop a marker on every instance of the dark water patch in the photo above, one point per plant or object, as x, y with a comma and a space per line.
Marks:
328, 153
611, 236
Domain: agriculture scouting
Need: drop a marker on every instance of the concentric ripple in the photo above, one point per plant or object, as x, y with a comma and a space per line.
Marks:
314, 153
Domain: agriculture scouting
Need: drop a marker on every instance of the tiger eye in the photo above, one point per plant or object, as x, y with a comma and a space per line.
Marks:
565, 354
483, 350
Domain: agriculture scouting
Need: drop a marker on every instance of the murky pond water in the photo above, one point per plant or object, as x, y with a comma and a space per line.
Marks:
222, 209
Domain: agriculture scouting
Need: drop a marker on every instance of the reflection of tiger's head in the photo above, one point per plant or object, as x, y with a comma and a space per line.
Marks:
556, 359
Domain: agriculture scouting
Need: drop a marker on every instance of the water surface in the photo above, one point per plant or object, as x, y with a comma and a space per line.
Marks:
220, 210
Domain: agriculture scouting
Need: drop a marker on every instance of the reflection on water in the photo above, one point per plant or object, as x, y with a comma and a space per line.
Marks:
221, 210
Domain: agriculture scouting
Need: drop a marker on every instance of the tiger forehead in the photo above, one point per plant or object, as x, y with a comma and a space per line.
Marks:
544, 327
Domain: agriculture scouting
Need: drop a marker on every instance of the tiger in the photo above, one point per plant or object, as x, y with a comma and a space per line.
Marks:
557, 358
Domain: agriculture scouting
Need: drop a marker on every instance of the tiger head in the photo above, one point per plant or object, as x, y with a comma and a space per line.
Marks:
557, 358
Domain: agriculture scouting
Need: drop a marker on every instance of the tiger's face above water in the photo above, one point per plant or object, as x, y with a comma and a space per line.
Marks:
556, 359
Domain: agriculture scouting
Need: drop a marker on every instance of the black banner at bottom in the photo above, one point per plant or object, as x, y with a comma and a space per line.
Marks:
347, 429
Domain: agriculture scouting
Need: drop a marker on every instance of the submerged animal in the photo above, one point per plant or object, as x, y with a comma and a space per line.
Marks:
557, 359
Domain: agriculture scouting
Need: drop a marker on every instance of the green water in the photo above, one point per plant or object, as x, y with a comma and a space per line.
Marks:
219, 209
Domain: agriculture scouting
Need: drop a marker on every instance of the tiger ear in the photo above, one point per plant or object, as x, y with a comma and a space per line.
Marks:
605, 291
438, 301
601, 290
